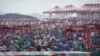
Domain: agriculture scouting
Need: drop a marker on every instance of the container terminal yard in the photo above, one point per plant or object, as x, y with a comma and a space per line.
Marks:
66, 29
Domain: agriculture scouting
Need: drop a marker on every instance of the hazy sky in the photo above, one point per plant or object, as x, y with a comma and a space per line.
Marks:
37, 6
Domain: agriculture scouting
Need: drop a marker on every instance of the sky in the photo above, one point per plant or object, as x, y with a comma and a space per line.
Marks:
38, 6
